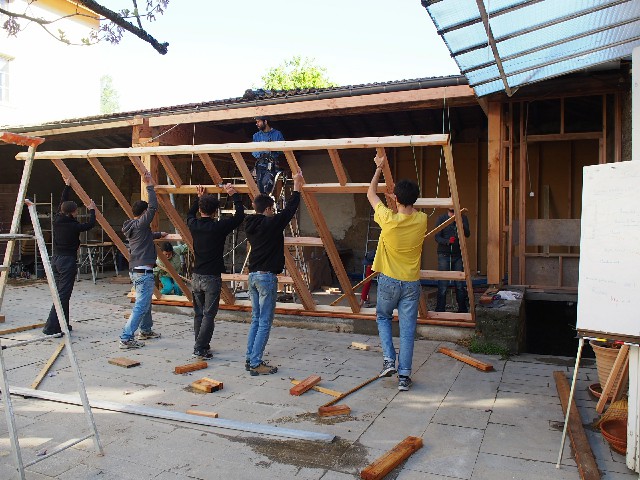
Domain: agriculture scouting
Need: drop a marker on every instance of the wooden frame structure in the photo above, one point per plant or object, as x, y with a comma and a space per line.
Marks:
152, 156
510, 232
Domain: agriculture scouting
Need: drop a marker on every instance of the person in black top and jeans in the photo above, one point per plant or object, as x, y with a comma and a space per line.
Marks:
209, 237
450, 259
66, 240
265, 234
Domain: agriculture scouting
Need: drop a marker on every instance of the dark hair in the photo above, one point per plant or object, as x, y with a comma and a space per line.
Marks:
167, 247
262, 202
139, 207
68, 207
407, 192
208, 204
263, 118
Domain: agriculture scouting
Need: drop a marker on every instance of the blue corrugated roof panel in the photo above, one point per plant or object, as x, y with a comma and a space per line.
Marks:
533, 39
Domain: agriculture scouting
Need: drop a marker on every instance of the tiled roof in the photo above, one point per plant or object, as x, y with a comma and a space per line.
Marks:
265, 97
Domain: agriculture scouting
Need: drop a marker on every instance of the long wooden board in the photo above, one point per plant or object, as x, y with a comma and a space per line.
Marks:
485, 367
48, 365
584, 458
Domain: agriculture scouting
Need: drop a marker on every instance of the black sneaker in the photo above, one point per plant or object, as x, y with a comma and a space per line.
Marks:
203, 355
388, 369
247, 366
404, 383
263, 369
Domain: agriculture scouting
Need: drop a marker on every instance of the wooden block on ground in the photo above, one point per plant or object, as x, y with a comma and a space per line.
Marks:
360, 346
390, 460
202, 414
190, 367
1, 318
207, 385
124, 362
485, 367
334, 410
305, 385
327, 391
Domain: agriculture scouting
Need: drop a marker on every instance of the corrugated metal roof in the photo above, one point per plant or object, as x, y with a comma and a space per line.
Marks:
504, 44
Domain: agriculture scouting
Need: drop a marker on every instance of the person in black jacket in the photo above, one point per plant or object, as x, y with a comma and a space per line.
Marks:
66, 240
209, 237
265, 234
450, 259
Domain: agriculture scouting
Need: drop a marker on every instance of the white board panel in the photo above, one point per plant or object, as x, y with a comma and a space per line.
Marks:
609, 275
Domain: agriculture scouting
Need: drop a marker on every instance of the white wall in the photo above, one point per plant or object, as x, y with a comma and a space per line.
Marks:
48, 79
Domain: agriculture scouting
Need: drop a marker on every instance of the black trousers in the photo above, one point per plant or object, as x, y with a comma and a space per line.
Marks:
64, 273
206, 299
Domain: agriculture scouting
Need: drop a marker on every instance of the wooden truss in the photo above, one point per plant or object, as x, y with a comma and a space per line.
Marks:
151, 157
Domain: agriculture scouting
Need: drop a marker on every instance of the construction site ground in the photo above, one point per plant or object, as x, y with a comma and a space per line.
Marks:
499, 425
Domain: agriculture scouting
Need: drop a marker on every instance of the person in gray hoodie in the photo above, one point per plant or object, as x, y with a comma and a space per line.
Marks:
141, 262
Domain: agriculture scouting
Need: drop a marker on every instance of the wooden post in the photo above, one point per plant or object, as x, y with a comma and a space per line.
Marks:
494, 269
522, 201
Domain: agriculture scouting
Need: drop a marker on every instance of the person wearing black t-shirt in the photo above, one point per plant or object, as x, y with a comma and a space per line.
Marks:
66, 241
265, 234
209, 236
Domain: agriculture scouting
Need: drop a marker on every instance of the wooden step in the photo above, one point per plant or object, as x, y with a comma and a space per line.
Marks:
303, 241
454, 316
433, 203
243, 277
444, 275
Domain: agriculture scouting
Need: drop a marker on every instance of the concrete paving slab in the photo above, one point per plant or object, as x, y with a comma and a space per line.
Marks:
500, 467
475, 425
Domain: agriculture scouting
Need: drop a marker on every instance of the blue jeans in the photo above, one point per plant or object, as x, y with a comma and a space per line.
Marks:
404, 296
206, 299
451, 263
169, 286
263, 290
141, 314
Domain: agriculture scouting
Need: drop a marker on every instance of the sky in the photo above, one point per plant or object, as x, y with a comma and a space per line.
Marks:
220, 48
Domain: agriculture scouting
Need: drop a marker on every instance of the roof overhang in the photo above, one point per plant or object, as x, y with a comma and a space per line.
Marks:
505, 44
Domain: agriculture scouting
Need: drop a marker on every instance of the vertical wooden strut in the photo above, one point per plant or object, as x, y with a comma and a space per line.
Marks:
327, 239
302, 289
453, 186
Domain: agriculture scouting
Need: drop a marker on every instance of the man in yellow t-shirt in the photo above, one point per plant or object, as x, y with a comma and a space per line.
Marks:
398, 261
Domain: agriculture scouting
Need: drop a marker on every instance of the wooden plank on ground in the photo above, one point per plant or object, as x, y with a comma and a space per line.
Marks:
584, 458
334, 410
306, 384
207, 385
190, 367
390, 460
202, 413
124, 362
485, 367
360, 346
2, 318
48, 365
327, 391
22, 329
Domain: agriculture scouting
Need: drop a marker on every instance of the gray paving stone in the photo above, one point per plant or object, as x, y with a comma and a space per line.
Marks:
499, 467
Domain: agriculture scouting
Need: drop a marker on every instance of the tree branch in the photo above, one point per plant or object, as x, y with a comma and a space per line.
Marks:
122, 23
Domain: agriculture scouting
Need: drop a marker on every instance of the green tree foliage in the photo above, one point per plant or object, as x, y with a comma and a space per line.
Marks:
109, 98
296, 73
